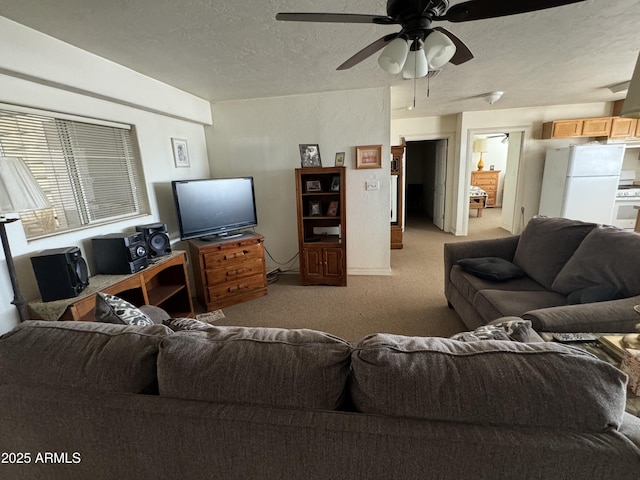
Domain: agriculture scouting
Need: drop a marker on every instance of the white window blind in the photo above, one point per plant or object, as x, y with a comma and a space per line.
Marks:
91, 173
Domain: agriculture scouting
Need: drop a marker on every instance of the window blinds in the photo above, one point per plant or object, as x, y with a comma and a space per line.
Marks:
91, 173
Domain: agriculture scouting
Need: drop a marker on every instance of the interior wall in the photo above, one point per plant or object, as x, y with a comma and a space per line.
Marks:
53, 90
461, 128
260, 138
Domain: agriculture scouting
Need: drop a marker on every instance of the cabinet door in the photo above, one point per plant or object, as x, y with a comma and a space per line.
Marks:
596, 127
333, 262
567, 128
312, 262
623, 127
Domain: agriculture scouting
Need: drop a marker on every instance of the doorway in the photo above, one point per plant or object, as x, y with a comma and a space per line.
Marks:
425, 175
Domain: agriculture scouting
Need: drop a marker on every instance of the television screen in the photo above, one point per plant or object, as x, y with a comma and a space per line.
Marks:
214, 207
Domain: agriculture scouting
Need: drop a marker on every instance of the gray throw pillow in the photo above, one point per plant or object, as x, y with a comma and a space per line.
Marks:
491, 268
608, 256
112, 309
511, 330
546, 244
179, 324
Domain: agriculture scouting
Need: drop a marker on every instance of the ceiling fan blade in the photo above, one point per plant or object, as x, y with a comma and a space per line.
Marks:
367, 51
463, 54
481, 9
335, 18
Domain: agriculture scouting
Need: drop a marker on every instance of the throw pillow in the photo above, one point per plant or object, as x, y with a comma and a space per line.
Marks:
510, 330
546, 244
491, 268
178, 324
112, 309
594, 294
607, 256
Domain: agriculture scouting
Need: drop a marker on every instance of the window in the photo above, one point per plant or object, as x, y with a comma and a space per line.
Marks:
91, 173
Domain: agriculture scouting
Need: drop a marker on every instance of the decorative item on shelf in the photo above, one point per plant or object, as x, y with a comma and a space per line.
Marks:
180, 152
20, 192
480, 146
339, 159
332, 211
335, 184
314, 209
313, 186
631, 106
310, 155
369, 156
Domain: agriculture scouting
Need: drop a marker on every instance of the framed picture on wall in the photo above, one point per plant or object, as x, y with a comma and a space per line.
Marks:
180, 152
369, 156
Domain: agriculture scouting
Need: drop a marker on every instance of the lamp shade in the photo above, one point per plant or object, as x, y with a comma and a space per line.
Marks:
19, 190
416, 65
480, 145
631, 106
394, 56
439, 49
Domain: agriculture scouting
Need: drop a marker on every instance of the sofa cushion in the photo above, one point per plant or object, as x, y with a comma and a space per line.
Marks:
491, 268
594, 294
608, 256
546, 244
490, 382
88, 355
112, 309
266, 366
493, 303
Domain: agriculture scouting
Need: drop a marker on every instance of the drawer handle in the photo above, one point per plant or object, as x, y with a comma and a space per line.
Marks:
236, 255
235, 288
236, 272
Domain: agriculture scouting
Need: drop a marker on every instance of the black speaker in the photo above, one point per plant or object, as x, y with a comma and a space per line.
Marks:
155, 234
60, 273
118, 253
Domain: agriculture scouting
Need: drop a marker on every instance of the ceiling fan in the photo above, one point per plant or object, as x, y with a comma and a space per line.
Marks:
418, 46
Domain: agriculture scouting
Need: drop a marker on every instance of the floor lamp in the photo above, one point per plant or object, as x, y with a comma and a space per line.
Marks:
19, 192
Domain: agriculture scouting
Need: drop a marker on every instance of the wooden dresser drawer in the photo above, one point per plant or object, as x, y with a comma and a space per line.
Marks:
235, 256
235, 287
229, 273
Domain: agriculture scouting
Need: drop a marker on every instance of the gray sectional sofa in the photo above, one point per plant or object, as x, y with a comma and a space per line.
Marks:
102, 401
562, 275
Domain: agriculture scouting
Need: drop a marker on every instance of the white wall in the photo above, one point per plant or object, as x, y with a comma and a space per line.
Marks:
462, 127
28, 77
260, 138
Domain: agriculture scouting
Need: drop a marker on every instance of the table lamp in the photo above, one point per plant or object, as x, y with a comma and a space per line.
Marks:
19, 192
480, 146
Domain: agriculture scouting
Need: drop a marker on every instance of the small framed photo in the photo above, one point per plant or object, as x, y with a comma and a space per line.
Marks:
313, 186
332, 211
340, 159
335, 184
180, 152
310, 155
492, 167
314, 209
369, 156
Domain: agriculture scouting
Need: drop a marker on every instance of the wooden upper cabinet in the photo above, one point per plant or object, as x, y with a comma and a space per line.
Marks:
596, 127
562, 128
623, 127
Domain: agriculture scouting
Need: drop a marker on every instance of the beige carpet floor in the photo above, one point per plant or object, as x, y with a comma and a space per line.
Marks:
409, 302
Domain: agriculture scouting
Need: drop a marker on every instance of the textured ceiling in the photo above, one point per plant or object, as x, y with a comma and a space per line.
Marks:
237, 50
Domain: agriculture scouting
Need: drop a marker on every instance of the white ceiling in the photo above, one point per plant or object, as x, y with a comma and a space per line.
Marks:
235, 49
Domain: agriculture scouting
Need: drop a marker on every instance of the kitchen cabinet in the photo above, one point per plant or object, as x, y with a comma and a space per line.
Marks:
487, 180
609, 127
322, 225
623, 127
562, 128
596, 127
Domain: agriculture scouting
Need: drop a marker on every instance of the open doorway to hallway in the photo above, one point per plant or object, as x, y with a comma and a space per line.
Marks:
425, 176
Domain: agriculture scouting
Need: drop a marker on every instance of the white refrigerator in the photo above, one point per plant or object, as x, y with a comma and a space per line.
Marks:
580, 182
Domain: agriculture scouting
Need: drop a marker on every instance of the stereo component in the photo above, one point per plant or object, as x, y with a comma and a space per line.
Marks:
155, 235
120, 253
60, 273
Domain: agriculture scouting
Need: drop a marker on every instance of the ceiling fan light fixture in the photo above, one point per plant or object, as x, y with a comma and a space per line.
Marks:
439, 49
394, 56
416, 65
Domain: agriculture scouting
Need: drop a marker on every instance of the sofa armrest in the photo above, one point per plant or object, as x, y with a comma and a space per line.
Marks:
503, 247
614, 316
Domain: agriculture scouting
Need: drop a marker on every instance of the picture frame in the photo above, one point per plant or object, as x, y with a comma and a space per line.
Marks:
315, 209
369, 156
340, 159
313, 186
310, 155
180, 152
335, 184
332, 210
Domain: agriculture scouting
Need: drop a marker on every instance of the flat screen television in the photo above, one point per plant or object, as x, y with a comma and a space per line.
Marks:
213, 208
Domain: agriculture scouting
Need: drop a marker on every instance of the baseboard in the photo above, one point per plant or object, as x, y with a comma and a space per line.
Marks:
371, 271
